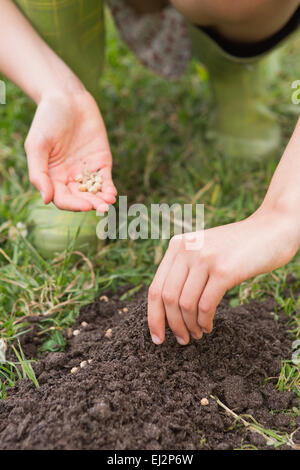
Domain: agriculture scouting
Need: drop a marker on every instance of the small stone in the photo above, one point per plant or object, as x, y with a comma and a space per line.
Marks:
204, 401
74, 370
83, 364
84, 324
90, 360
104, 298
76, 332
108, 333
100, 411
125, 309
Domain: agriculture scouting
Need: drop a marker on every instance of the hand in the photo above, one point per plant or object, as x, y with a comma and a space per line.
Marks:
68, 135
189, 284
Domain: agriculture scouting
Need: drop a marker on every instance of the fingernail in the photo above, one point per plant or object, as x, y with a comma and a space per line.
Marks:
181, 340
156, 339
205, 331
103, 208
43, 195
197, 336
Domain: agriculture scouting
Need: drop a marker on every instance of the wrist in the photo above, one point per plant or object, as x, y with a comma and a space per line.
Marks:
284, 217
67, 86
54, 76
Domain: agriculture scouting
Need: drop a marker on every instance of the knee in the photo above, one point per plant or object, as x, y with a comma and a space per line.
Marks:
236, 11
214, 12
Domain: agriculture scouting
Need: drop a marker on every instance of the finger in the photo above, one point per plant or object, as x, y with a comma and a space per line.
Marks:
210, 299
189, 300
95, 199
108, 187
37, 157
171, 293
64, 199
156, 309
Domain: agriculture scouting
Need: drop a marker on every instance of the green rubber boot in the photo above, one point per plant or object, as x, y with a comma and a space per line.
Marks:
55, 230
75, 31
242, 125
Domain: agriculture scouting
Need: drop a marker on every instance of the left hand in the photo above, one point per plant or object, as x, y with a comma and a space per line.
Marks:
189, 284
67, 136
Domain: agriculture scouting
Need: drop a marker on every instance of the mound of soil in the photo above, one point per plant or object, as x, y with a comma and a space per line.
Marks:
132, 394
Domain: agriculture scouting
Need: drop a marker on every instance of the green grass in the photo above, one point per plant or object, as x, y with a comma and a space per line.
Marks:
157, 135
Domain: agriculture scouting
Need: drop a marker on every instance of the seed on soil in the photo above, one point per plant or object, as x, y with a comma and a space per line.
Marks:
108, 333
125, 309
204, 401
104, 298
90, 360
76, 332
83, 364
74, 370
90, 181
84, 324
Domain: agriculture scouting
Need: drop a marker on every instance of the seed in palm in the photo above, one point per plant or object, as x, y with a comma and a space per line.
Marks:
90, 181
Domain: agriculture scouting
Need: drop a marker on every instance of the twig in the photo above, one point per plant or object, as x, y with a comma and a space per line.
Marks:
257, 428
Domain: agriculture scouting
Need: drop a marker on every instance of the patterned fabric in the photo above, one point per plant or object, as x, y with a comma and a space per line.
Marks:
160, 40
74, 29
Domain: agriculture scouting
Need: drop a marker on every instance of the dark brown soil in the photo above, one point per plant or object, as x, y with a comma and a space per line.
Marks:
135, 395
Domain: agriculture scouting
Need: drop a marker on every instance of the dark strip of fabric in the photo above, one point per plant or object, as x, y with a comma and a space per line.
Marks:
245, 50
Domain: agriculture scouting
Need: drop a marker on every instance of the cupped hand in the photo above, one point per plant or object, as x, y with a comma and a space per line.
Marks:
192, 279
66, 137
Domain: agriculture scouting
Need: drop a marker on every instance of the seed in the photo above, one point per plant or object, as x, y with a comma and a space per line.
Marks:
91, 182
90, 360
83, 364
108, 333
104, 298
78, 178
74, 370
94, 189
204, 401
76, 332
84, 324
125, 309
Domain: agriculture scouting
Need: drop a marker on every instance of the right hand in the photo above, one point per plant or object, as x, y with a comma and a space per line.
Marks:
68, 135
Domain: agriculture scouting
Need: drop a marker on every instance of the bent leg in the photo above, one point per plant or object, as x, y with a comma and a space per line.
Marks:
244, 21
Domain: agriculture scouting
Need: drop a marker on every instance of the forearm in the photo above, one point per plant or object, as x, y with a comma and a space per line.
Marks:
283, 194
27, 60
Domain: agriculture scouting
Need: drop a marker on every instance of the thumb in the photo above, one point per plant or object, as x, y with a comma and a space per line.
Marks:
37, 159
